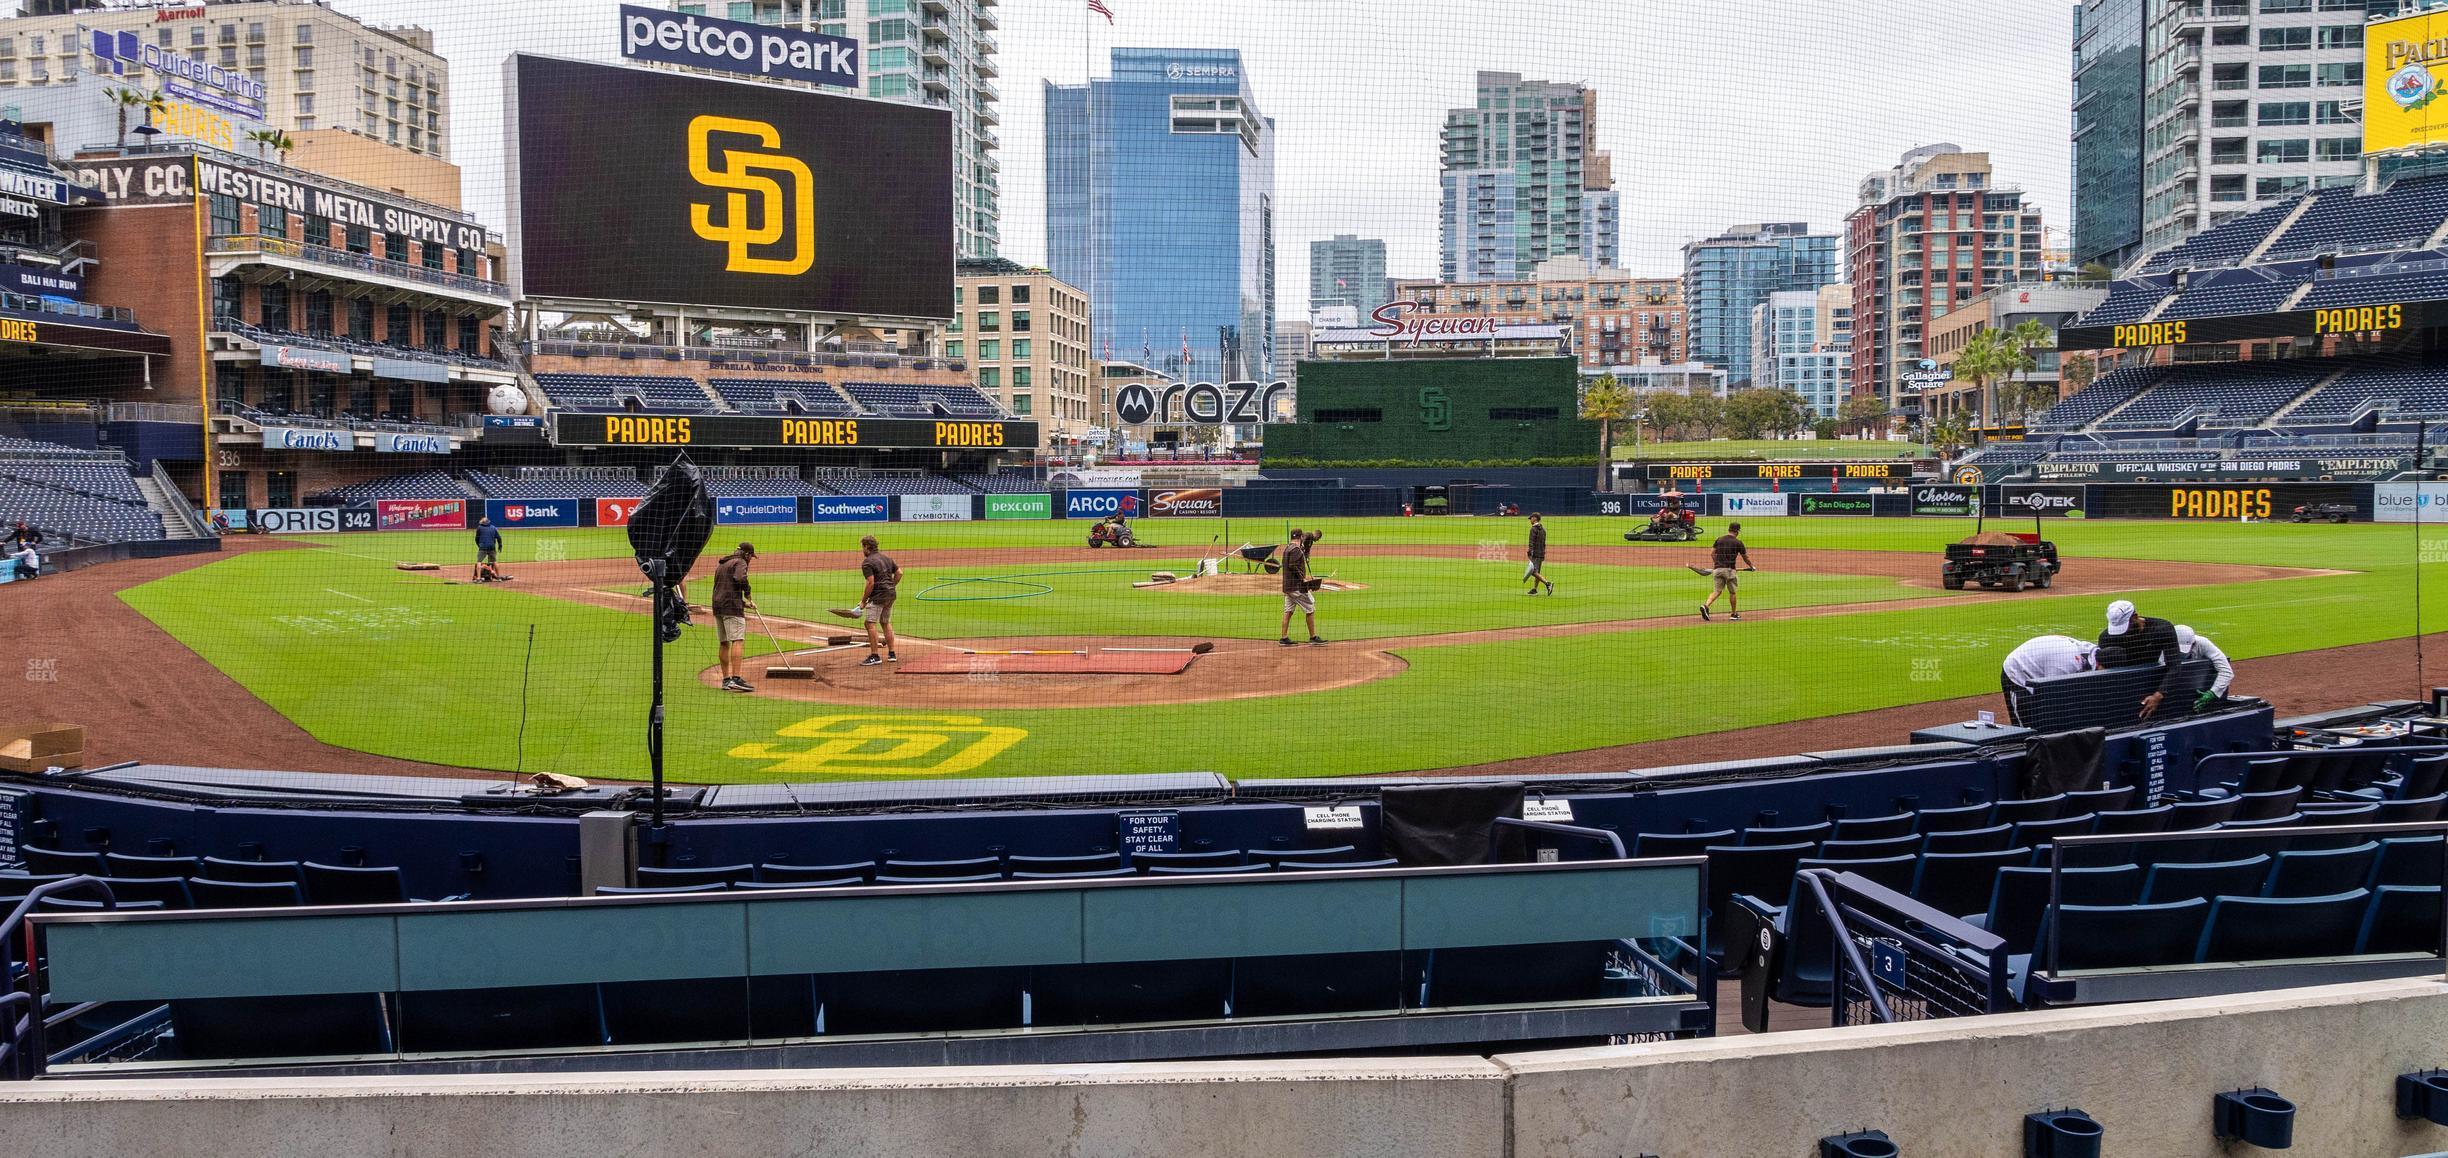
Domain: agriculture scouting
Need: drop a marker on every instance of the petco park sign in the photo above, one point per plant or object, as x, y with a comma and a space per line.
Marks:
732, 46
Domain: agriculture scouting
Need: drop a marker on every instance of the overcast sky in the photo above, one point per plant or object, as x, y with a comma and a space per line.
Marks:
1737, 111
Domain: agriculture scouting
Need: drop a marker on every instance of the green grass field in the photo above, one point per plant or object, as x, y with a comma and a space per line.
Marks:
367, 657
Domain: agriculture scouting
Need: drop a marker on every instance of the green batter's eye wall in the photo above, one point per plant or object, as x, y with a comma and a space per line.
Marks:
1492, 412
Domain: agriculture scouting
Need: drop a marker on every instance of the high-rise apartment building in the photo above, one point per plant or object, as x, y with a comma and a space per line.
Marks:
306, 67
2189, 112
1025, 335
1349, 271
1520, 168
938, 53
1928, 235
1728, 275
1801, 340
1168, 221
1614, 318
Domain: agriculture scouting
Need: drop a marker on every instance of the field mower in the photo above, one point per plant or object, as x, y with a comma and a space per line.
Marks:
2010, 560
1676, 524
1112, 535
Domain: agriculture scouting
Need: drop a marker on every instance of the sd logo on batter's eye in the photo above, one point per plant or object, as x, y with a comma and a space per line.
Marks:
784, 213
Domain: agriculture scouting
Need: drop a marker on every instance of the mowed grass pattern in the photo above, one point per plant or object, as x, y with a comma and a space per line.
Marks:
367, 657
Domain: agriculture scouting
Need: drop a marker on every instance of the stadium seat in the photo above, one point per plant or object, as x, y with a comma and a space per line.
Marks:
2410, 860
2103, 799
2036, 808
1805, 977
974, 878
695, 875
170, 891
1892, 872
2169, 882
216, 894
2351, 814
299, 1026
123, 865
1292, 866
2138, 820
1127, 992
1339, 852
785, 873
2415, 811
1317, 983
1907, 845
522, 1017
1516, 975
2424, 776
330, 884
72, 905
1095, 862
2265, 805
2264, 775
52, 861
2020, 902
1960, 883
2124, 936
656, 890
834, 883
1219, 859
1086, 874
262, 871
2290, 820
2323, 873
2401, 919
1759, 870
2277, 928
1204, 870
1875, 827
2034, 833
1971, 840
2193, 815
1794, 834
1661, 844
1931, 821
922, 1000
971, 868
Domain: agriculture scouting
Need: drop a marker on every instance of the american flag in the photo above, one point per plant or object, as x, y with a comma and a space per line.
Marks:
1098, 7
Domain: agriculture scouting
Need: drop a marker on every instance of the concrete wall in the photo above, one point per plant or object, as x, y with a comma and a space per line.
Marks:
1941, 1089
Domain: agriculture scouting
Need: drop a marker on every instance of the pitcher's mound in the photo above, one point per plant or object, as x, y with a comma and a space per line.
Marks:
1241, 585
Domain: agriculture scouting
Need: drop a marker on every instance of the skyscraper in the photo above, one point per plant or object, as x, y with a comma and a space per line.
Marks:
1929, 235
1728, 275
1168, 222
1801, 340
938, 53
1523, 181
1348, 270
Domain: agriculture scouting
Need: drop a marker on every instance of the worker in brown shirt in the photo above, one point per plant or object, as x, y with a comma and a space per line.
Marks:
731, 604
1298, 592
1722, 555
883, 584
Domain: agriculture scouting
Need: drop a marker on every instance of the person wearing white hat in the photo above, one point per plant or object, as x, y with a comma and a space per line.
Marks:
2137, 640
2192, 644
2042, 657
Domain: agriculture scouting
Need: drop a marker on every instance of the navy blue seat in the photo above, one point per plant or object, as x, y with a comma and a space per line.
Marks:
1293, 866
2289, 820
312, 1025
2034, 833
1936, 820
2126, 936
835, 883
271, 871
2138, 820
1759, 870
490, 1020
684, 875
1317, 983
217, 894
1795, 834
1651, 844
2265, 805
2193, 815
1960, 883
123, 865
61, 862
170, 891
1990, 839
2036, 808
2262, 776
2401, 919
1340, 852
969, 868
2103, 799
331, 884
1193, 870
783, 873
2353, 814
1094, 862
1875, 827
1906, 845
1805, 976
2019, 904
1220, 858
2424, 776
890, 879
2183, 881
2411, 860
1121, 993
658, 890
1894, 872
1081, 874
2414, 811
2276, 928
2323, 873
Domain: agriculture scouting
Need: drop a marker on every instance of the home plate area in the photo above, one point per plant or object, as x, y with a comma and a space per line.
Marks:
1050, 661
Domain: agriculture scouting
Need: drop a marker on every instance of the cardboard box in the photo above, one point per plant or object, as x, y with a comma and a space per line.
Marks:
39, 747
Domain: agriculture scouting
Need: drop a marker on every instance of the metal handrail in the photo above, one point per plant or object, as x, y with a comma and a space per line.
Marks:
363, 263
28, 1041
1842, 938
1613, 842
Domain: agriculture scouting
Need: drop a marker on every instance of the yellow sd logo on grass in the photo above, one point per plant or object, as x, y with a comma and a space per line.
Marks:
886, 745
780, 217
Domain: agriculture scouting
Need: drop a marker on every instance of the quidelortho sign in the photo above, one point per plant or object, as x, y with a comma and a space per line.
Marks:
757, 509
758, 50
1019, 506
228, 89
1951, 502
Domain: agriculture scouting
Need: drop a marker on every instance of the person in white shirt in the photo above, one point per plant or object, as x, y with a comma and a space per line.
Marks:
2042, 657
2192, 644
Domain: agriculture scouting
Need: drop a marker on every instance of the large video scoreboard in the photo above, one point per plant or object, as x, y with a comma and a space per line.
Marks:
1705, 471
2372, 320
748, 430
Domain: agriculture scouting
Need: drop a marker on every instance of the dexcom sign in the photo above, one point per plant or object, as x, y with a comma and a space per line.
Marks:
1098, 504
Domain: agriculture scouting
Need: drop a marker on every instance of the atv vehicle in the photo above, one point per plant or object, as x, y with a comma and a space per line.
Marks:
2010, 560
2322, 513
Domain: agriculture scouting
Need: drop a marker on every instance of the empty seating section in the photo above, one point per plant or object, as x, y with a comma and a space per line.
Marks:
561, 483
901, 400
611, 392
1001, 482
2098, 398
2236, 390
2238, 292
2404, 214
65, 493
2223, 244
2411, 390
416, 484
2128, 301
2382, 286
783, 396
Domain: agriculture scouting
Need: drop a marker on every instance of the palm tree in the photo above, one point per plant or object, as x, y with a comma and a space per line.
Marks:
131, 98
1607, 402
1949, 436
2021, 342
1980, 360
272, 139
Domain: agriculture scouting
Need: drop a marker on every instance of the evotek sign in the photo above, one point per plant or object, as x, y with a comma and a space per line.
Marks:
757, 50
783, 213
300, 438
228, 89
2045, 500
1204, 403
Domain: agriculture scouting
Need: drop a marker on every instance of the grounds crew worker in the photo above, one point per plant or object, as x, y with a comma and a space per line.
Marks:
1298, 592
2137, 640
1537, 572
731, 604
875, 603
2042, 657
1722, 553
488, 546
2194, 645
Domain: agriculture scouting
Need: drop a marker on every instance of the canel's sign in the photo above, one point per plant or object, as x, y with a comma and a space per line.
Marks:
1400, 321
